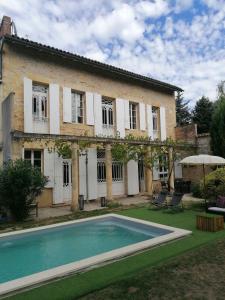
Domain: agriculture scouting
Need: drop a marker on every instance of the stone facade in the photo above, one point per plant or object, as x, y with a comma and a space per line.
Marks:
19, 62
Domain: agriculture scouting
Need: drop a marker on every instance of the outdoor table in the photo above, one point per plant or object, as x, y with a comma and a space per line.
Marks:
209, 222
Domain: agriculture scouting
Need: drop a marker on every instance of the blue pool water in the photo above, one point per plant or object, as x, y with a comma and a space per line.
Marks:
28, 253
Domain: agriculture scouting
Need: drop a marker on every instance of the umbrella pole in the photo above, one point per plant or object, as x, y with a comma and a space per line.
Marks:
204, 186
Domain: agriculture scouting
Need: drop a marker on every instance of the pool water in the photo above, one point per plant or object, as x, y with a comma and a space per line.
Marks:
28, 253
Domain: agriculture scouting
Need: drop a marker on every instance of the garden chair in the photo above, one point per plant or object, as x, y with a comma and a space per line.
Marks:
176, 201
160, 200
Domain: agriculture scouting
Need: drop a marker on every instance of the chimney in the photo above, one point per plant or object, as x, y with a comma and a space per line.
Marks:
5, 27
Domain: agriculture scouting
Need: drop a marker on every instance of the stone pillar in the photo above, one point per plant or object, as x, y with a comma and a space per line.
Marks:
171, 169
75, 176
148, 175
108, 165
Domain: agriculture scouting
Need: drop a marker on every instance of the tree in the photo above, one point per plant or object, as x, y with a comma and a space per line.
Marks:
20, 184
218, 128
183, 114
202, 114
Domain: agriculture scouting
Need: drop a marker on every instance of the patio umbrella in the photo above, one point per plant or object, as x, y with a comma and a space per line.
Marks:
203, 160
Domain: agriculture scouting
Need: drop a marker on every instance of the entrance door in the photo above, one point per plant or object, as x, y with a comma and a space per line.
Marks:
67, 180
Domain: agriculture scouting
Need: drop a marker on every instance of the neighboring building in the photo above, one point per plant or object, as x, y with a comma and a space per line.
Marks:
188, 134
49, 94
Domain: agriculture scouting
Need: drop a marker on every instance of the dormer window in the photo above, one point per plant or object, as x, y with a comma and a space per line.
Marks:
39, 102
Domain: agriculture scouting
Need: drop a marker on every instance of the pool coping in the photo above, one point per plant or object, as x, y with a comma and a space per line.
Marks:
67, 269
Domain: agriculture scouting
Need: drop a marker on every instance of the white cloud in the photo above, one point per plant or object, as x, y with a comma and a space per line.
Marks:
145, 36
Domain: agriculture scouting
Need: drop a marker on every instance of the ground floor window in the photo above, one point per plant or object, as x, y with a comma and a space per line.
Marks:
117, 168
163, 168
117, 171
34, 157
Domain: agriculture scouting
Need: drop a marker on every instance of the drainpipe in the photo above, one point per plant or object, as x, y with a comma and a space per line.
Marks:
1, 54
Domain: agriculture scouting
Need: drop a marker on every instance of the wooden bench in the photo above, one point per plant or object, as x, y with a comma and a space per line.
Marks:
209, 222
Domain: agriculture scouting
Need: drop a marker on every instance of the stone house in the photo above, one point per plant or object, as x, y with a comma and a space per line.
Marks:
48, 94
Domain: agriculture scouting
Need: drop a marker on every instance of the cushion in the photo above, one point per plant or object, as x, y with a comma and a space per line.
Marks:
220, 202
217, 209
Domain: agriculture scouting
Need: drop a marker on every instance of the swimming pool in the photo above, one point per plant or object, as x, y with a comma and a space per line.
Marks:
31, 256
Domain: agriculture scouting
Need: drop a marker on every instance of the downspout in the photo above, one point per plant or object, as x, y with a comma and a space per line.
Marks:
1, 55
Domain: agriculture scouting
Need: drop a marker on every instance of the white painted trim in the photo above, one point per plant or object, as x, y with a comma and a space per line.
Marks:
120, 118
98, 114
67, 107
163, 123
54, 108
142, 116
150, 121
89, 108
74, 267
126, 114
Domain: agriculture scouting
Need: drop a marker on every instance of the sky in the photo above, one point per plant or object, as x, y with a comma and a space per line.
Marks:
177, 41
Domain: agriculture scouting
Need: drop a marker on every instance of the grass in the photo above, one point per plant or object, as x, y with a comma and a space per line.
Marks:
198, 274
79, 285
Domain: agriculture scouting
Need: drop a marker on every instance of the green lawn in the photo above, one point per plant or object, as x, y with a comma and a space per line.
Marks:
78, 285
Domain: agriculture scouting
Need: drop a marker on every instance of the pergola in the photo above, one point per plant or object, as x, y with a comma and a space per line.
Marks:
19, 136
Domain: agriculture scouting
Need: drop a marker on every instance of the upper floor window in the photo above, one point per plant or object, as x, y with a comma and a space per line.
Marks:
155, 120
77, 107
133, 115
107, 113
33, 157
40, 102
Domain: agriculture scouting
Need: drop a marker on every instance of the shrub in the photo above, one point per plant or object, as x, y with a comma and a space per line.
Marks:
20, 184
196, 190
215, 184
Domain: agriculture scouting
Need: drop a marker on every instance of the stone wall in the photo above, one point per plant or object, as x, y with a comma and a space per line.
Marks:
19, 64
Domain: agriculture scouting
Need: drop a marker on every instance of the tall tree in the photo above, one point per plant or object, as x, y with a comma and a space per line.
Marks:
202, 114
183, 114
218, 128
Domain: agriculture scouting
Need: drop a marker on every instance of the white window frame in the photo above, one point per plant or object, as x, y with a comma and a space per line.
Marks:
117, 169
32, 156
107, 113
163, 169
155, 122
133, 110
40, 108
77, 107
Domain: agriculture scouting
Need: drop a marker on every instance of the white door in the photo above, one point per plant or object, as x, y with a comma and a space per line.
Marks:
67, 180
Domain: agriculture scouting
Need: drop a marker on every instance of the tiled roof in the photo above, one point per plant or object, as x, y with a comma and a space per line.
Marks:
98, 66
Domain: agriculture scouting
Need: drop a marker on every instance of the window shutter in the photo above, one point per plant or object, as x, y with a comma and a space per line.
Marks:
120, 119
82, 176
150, 121
132, 178
142, 116
54, 109
163, 123
89, 108
126, 114
28, 116
49, 167
58, 179
98, 113
92, 174
67, 112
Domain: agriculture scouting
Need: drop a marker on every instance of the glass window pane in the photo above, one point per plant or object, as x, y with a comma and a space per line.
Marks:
37, 154
27, 154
